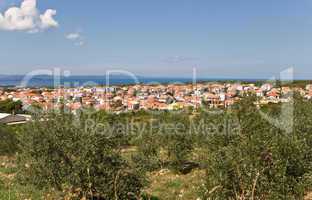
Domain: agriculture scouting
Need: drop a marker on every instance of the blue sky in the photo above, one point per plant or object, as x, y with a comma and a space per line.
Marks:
221, 38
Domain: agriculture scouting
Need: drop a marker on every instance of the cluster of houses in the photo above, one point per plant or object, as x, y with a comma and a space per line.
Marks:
153, 97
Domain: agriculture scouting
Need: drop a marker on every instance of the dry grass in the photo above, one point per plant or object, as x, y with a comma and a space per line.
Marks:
10, 189
168, 185
7, 168
308, 197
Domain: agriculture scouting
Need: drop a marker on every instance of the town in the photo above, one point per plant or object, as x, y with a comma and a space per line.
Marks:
150, 97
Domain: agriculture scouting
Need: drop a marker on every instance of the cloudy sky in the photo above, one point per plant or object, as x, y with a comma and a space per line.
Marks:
221, 38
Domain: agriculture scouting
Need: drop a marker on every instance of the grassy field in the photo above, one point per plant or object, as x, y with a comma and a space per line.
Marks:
164, 184
168, 185
9, 189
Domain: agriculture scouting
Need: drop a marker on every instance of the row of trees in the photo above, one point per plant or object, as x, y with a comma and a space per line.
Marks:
9, 106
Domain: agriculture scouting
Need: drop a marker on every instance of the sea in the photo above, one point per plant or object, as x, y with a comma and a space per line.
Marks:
79, 81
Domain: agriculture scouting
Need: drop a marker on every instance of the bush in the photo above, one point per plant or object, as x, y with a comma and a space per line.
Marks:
8, 142
9, 106
60, 154
179, 148
263, 162
148, 156
1, 184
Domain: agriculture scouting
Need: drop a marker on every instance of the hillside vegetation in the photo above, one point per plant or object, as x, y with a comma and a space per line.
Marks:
205, 154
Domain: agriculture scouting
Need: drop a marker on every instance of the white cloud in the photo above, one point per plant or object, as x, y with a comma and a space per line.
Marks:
27, 18
47, 19
76, 37
73, 36
179, 59
80, 43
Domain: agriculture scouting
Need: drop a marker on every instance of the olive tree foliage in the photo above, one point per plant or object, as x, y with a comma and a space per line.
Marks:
147, 157
244, 155
165, 142
8, 141
262, 162
9, 106
57, 153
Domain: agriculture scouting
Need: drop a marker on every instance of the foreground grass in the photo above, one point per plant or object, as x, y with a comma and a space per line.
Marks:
18, 192
11, 190
166, 184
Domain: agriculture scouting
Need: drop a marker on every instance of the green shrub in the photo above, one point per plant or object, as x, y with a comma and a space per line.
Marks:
58, 153
1, 184
179, 149
263, 162
8, 142
9, 106
148, 156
